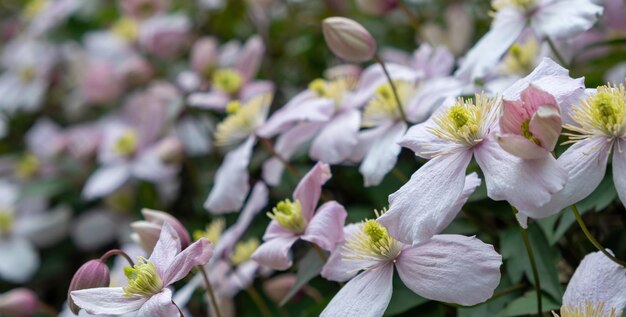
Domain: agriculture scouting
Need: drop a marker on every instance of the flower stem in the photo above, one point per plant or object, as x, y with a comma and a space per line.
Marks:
399, 175
209, 290
113, 252
415, 20
533, 265
556, 52
393, 86
256, 298
292, 170
591, 239
319, 251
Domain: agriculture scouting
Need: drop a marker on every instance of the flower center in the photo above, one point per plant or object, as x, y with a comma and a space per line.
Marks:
33, 8
334, 89
372, 243
289, 216
383, 106
143, 279
27, 73
27, 166
604, 113
126, 29
6, 221
242, 120
526, 132
212, 232
588, 309
523, 5
243, 251
227, 80
520, 59
126, 144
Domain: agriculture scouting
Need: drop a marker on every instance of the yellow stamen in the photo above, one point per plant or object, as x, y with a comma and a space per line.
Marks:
143, 279
243, 251
6, 221
372, 243
239, 125
227, 80
526, 132
334, 89
212, 232
27, 166
289, 215
126, 144
383, 106
126, 29
520, 59
233, 107
27, 73
524, 5
33, 8
588, 309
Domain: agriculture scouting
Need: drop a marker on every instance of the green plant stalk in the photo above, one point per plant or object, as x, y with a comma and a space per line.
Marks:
556, 52
591, 239
533, 265
393, 86
256, 298
209, 290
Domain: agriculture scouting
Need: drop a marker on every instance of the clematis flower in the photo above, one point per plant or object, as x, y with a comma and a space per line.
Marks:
147, 290
447, 268
44, 15
457, 132
165, 35
147, 232
546, 18
298, 219
596, 289
597, 127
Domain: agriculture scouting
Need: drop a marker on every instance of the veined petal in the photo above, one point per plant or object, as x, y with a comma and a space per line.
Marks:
619, 169
452, 269
335, 142
366, 295
326, 227
340, 269
565, 18
19, 261
198, 253
382, 155
521, 147
420, 208
165, 249
159, 305
107, 300
545, 125
275, 253
309, 188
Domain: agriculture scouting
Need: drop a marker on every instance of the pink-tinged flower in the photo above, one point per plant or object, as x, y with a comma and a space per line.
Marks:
596, 289
348, 39
92, 274
553, 19
448, 268
457, 132
222, 74
101, 83
147, 232
165, 36
147, 290
298, 219
143, 9
597, 127
19, 302
25, 225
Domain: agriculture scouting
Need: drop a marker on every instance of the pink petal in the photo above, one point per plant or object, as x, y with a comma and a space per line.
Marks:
420, 208
335, 142
275, 253
250, 57
107, 300
366, 295
275, 230
452, 269
255, 88
198, 253
105, 181
340, 269
165, 249
585, 163
212, 100
619, 169
545, 125
309, 188
525, 184
326, 227
561, 19
521, 147
597, 280
513, 115
159, 305
230, 185
382, 155
430, 96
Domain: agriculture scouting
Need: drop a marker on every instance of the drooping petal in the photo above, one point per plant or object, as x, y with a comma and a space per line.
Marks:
597, 280
231, 186
275, 253
585, 163
309, 188
521, 147
382, 156
340, 269
336, 140
525, 184
366, 295
19, 261
565, 18
326, 227
420, 207
159, 305
619, 169
452, 269
545, 125
107, 300
106, 180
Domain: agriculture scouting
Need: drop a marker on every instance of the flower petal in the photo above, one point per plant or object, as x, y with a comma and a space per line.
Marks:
420, 208
326, 227
165, 249
545, 125
521, 147
250, 57
19, 261
106, 180
336, 140
562, 19
198, 253
382, 155
619, 169
159, 305
339, 269
366, 295
275, 253
231, 187
212, 100
309, 188
107, 300
452, 269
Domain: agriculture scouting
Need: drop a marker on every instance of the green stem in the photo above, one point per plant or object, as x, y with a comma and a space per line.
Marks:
256, 298
415, 21
556, 52
399, 175
209, 290
268, 145
393, 86
533, 265
319, 251
113, 252
591, 239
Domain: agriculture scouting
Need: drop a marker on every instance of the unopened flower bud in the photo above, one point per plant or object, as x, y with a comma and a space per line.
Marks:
147, 232
92, 274
20, 302
348, 39
376, 7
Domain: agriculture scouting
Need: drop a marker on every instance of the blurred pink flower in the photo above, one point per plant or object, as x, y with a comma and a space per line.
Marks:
165, 36
19, 302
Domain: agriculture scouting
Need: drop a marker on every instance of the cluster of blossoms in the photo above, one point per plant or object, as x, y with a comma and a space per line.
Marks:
128, 107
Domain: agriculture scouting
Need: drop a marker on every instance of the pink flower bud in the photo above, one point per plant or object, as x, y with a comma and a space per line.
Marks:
92, 274
20, 302
147, 232
376, 7
348, 39
204, 56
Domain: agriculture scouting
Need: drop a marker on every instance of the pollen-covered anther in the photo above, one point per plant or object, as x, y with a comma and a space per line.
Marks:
6, 221
27, 166
334, 89
372, 243
384, 106
126, 144
143, 279
212, 232
227, 80
126, 28
243, 251
603, 113
289, 215
242, 120
524, 5
521, 57
587, 309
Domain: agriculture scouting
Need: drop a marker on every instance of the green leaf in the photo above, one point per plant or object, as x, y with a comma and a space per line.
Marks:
527, 305
309, 267
44, 188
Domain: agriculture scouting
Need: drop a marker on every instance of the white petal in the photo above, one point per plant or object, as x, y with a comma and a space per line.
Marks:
382, 156
105, 181
107, 300
19, 261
